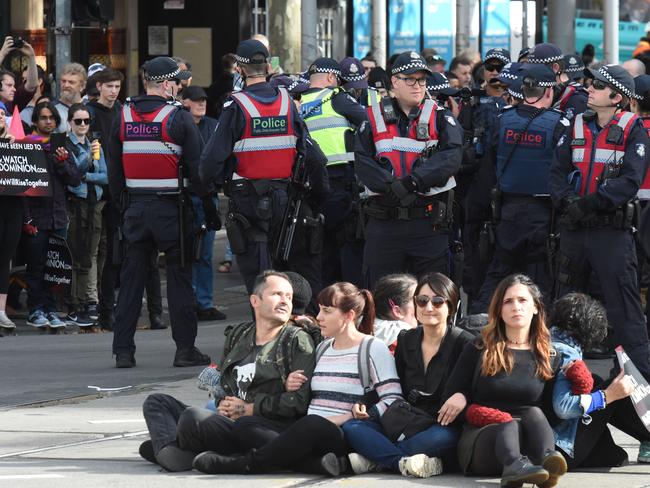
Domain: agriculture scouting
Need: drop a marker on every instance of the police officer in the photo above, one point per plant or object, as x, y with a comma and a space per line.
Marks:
573, 98
252, 153
595, 176
477, 178
407, 155
355, 81
524, 139
154, 149
331, 115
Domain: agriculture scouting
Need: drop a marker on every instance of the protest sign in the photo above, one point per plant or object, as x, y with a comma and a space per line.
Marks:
58, 266
641, 394
23, 169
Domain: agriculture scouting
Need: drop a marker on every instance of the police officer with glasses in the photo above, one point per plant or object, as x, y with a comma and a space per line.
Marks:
595, 176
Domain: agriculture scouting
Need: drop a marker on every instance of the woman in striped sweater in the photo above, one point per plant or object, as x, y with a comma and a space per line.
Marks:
316, 443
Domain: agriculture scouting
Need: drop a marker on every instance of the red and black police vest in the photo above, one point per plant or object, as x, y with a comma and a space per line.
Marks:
590, 156
567, 94
644, 189
150, 157
267, 148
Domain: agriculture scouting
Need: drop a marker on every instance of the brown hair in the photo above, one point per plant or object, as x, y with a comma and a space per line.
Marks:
345, 296
496, 356
442, 286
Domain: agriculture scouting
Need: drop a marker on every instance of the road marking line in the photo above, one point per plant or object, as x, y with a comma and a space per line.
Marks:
30, 476
116, 421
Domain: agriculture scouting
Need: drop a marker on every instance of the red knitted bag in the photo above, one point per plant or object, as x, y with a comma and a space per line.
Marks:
480, 416
580, 377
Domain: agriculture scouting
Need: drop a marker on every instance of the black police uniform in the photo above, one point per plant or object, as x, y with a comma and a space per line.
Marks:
150, 221
597, 220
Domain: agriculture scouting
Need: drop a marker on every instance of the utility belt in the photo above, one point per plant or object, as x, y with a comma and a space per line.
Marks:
437, 211
137, 197
243, 186
625, 217
498, 198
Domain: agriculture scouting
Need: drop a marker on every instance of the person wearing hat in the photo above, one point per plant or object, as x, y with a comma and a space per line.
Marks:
407, 155
153, 148
595, 177
355, 81
573, 98
524, 139
252, 154
331, 115
379, 80
510, 76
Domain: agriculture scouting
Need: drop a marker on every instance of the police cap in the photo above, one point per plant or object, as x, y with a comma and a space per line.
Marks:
408, 63
615, 76
293, 86
641, 86
515, 89
537, 75
573, 66
378, 78
194, 93
498, 53
252, 51
353, 73
163, 68
545, 53
325, 65
523, 54
510, 73
438, 83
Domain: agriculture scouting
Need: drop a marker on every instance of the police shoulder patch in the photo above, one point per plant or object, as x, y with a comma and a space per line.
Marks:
561, 141
451, 120
565, 122
640, 150
227, 104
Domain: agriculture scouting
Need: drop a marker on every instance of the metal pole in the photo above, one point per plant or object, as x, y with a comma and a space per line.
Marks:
378, 43
610, 30
462, 25
308, 21
561, 24
524, 23
62, 32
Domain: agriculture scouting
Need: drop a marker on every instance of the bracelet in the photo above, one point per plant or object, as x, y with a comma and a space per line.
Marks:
602, 392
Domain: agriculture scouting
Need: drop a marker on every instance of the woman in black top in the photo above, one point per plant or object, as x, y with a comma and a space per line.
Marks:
503, 376
425, 357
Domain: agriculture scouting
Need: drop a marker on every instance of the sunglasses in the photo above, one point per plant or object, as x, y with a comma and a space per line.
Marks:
423, 301
599, 85
493, 67
81, 121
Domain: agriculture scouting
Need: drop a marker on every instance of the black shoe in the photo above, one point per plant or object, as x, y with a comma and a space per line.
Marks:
522, 471
190, 356
212, 463
327, 465
156, 322
146, 451
79, 318
173, 458
124, 360
91, 311
106, 323
556, 466
210, 314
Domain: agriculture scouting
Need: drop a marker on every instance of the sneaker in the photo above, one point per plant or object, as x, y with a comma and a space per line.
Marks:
92, 311
420, 466
174, 459
146, 451
79, 318
38, 319
190, 356
644, 452
522, 471
361, 464
55, 321
556, 466
5, 322
210, 314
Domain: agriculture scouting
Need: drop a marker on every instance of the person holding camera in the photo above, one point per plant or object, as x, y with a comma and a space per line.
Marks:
85, 206
11, 93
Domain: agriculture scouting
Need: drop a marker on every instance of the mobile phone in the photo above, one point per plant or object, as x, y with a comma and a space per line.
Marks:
57, 140
275, 63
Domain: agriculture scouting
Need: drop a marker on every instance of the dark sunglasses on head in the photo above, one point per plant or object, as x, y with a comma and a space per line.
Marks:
423, 300
81, 121
599, 85
494, 67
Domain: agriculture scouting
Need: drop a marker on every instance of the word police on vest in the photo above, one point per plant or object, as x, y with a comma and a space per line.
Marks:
261, 126
145, 131
531, 138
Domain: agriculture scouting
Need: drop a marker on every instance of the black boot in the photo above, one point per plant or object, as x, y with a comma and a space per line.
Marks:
327, 465
146, 451
556, 466
190, 356
210, 462
522, 471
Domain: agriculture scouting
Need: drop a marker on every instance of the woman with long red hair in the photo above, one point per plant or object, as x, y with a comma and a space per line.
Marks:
504, 376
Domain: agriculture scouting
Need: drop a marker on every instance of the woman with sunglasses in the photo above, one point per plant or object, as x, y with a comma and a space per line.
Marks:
85, 206
425, 357
503, 378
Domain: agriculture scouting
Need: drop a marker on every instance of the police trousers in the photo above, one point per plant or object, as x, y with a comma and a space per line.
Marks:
611, 254
148, 225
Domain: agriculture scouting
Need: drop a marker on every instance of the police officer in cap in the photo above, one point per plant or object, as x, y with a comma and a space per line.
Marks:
407, 155
252, 153
524, 139
331, 115
595, 176
573, 98
154, 154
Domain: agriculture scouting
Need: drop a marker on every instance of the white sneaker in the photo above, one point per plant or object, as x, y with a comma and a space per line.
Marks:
5, 322
361, 464
420, 466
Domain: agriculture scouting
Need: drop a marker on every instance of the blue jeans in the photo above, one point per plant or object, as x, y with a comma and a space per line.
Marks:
202, 269
367, 438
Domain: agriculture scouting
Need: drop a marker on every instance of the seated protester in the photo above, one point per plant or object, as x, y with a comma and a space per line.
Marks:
45, 216
583, 436
85, 206
504, 376
315, 443
253, 379
425, 357
394, 305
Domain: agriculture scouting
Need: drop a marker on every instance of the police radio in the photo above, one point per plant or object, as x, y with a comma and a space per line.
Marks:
614, 134
390, 117
422, 132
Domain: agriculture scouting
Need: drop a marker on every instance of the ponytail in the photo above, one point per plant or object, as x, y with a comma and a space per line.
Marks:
367, 324
345, 296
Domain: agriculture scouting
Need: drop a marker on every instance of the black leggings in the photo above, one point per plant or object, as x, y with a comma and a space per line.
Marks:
11, 222
501, 444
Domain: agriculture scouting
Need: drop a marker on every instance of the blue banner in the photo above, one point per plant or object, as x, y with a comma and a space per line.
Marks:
362, 27
439, 25
495, 25
404, 26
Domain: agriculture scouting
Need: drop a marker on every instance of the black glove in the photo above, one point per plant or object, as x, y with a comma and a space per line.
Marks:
212, 218
402, 191
578, 208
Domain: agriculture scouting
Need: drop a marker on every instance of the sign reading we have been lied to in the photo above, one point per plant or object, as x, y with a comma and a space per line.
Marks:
23, 169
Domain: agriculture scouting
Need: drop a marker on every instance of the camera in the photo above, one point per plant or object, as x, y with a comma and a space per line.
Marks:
18, 42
